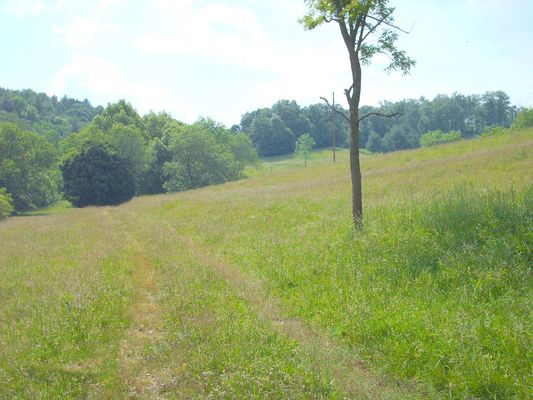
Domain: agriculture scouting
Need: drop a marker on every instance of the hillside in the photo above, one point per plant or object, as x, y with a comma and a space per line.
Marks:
50, 117
262, 289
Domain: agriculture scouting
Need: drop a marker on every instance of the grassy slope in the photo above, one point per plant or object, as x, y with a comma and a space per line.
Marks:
261, 288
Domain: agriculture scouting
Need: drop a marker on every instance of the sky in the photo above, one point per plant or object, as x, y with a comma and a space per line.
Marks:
222, 58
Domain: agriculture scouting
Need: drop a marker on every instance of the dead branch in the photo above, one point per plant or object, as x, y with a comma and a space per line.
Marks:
335, 109
379, 115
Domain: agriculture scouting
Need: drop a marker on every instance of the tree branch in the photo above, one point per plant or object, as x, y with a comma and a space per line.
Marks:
380, 21
335, 109
348, 93
362, 27
379, 115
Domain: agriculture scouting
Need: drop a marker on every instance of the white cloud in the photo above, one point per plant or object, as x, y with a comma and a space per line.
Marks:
106, 5
225, 33
81, 31
105, 82
21, 8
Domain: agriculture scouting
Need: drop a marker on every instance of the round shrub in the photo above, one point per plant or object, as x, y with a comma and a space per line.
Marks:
97, 176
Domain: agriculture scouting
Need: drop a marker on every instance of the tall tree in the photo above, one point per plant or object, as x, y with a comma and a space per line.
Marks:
197, 159
367, 28
28, 168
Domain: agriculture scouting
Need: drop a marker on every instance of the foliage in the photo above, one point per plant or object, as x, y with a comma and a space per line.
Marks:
292, 116
197, 159
324, 125
6, 204
50, 117
270, 135
304, 147
360, 20
315, 119
157, 154
121, 113
436, 137
97, 176
155, 124
524, 119
130, 145
493, 131
243, 149
470, 115
28, 168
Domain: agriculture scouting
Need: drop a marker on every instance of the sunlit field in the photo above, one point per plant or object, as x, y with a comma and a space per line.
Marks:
262, 288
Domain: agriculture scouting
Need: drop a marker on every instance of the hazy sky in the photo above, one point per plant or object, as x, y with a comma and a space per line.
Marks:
221, 58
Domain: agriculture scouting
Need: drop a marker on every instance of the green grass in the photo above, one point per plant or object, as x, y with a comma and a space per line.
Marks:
285, 163
262, 288
56, 208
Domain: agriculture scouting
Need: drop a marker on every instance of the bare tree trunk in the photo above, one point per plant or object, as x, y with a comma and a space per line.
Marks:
355, 165
355, 169
353, 95
333, 133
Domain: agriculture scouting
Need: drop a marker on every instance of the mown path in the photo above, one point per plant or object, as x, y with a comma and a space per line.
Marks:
327, 358
146, 329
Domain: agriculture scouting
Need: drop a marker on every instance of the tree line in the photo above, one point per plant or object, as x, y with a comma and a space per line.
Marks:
50, 117
51, 148
275, 130
115, 156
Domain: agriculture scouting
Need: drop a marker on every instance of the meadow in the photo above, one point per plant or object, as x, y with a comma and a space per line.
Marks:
262, 288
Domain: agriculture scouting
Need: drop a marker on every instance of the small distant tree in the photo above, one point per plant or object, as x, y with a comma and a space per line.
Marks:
97, 176
304, 147
6, 204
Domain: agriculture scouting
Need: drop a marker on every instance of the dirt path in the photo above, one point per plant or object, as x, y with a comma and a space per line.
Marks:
146, 329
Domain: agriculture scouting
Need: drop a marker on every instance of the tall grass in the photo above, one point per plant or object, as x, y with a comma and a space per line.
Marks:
436, 288
63, 292
433, 295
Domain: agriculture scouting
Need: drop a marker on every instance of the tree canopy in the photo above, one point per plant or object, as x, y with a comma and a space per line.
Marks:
304, 147
97, 175
6, 204
524, 119
50, 117
28, 168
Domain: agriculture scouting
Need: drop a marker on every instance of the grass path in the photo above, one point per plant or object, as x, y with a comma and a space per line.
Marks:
326, 356
146, 328
330, 361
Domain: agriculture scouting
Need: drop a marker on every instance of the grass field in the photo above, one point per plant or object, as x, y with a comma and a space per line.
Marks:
262, 289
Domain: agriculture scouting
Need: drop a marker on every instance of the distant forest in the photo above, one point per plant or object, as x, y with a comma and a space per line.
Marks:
274, 130
52, 148
50, 117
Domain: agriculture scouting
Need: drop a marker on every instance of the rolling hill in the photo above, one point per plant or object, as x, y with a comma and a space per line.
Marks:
263, 289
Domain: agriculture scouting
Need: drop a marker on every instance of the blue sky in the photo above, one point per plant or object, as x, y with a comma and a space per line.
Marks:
221, 58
